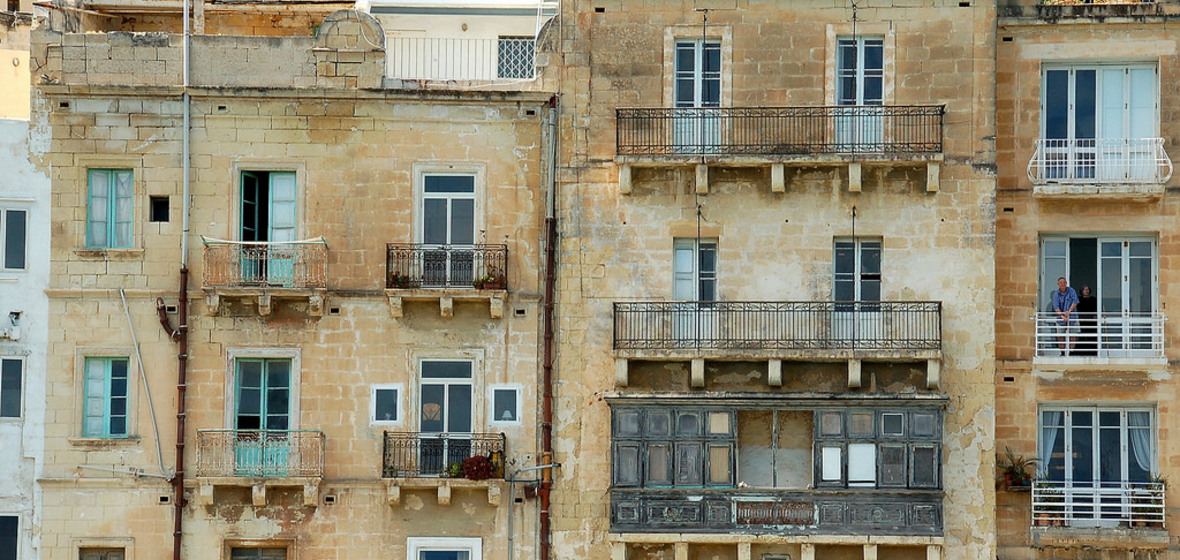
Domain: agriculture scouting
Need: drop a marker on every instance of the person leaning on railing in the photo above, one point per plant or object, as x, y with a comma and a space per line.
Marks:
1088, 320
1065, 304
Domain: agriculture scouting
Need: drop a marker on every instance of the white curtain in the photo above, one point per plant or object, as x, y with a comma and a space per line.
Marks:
1139, 424
1051, 428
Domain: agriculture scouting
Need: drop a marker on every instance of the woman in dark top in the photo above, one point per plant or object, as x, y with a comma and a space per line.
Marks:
1088, 322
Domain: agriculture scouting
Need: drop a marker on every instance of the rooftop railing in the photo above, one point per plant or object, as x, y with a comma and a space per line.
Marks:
1101, 160
861, 325
414, 454
1101, 335
1098, 504
439, 58
239, 264
420, 265
260, 453
781, 131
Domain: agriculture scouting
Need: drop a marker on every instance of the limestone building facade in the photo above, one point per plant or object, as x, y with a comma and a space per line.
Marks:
1086, 106
775, 293
295, 301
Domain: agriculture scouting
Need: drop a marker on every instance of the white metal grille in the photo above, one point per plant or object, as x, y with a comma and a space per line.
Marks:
1102, 335
1101, 160
433, 58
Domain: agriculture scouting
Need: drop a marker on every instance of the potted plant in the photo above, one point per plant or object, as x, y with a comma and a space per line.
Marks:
455, 470
493, 279
478, 467
398, 279
1016, 469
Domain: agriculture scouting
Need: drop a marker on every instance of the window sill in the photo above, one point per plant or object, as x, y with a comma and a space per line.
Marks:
1080, 364
98, 442
88, 253
1105, 537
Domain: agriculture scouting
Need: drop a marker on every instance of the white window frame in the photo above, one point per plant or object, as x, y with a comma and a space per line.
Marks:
1067, 433
470, 382
399, 412
697, 75
1071, 95
698, 277
21, 386
5, 216
231, 381
515, 388
472, 545
860, 73
858, 276
479, 174
1045, 287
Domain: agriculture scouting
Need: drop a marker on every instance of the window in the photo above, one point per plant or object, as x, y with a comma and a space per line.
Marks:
694, 265
516, 58
505, 405
658, 447
857, 270
110, 209
268, 206
878, 448
386, 404
10, 387
696, 89
263, 394
446, 397
448, 221
1085, 444
273, 553
9, 526
105, 400
860, 71
100, 554
1121, 273
158, 208
13, 224
440, 548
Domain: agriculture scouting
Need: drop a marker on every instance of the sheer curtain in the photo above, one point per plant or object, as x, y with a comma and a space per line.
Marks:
1051, 427
1139, 424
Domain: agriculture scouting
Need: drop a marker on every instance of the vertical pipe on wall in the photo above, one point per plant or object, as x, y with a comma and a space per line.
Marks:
547, 364
178, 500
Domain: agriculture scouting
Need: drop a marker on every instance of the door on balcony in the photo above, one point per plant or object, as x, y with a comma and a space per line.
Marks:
1100, 123
268, 215
856, 318
694, 289
1097, 461
262, 417
445, 415
860, 94
1121, 273
696, 118
448, 230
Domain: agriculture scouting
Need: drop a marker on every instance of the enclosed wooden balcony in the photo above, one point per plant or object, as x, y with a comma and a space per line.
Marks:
778, 137
777, 331
446, 274
265, 271
260, 459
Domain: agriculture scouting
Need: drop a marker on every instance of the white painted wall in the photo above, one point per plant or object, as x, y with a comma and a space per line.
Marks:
22, 439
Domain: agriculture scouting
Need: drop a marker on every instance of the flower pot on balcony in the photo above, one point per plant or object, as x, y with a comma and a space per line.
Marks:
402, 281
490, 281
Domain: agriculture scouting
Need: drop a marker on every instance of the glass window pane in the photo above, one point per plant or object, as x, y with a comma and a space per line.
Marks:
688, 424
14, 239
923, 425
446, 370
831, 468
862, 463
689, 464
1085, 103
444, 555
10, 388
434, 221
432, 408
8, 537
627, 422
504, 405
831, 424
860, 424
449, 184
627, 464
659, 464
459, 413
892, 425
1056, 104
462, 221
925, 466
893, 465
659, 423
385, 405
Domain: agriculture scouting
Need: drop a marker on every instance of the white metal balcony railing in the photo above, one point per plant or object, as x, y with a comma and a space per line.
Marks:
440, 58
1099, 161
1098, 504
1103, 335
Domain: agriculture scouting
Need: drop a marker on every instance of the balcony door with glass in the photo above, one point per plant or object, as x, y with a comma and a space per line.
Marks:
694, 288
857, 292
1100, 123
445, 415
268, 215
262, 417
860, 94
1094, 460
448, 230
696, 118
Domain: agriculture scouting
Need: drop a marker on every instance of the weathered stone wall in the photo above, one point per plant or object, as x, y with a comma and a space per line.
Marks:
773, 246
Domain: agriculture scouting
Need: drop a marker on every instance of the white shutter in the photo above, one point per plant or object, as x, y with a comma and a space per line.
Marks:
282, 207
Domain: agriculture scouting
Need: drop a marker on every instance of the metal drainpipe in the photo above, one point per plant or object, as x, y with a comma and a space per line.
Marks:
181, 334
547, 364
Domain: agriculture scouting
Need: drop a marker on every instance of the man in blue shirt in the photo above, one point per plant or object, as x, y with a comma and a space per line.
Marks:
1065, 302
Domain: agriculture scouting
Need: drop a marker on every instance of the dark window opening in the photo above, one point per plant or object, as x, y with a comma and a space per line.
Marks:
158, 208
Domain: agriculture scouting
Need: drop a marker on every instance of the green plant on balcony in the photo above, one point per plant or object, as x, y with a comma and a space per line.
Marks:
401, 280
1015, 469
493, 279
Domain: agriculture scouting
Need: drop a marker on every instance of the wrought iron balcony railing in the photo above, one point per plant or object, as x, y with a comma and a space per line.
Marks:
1098, 504
241, 264
413, 454
787, 325
1100, 161
1101, 335
260, 453
444, 58
785, 512
780, 131
418, 265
